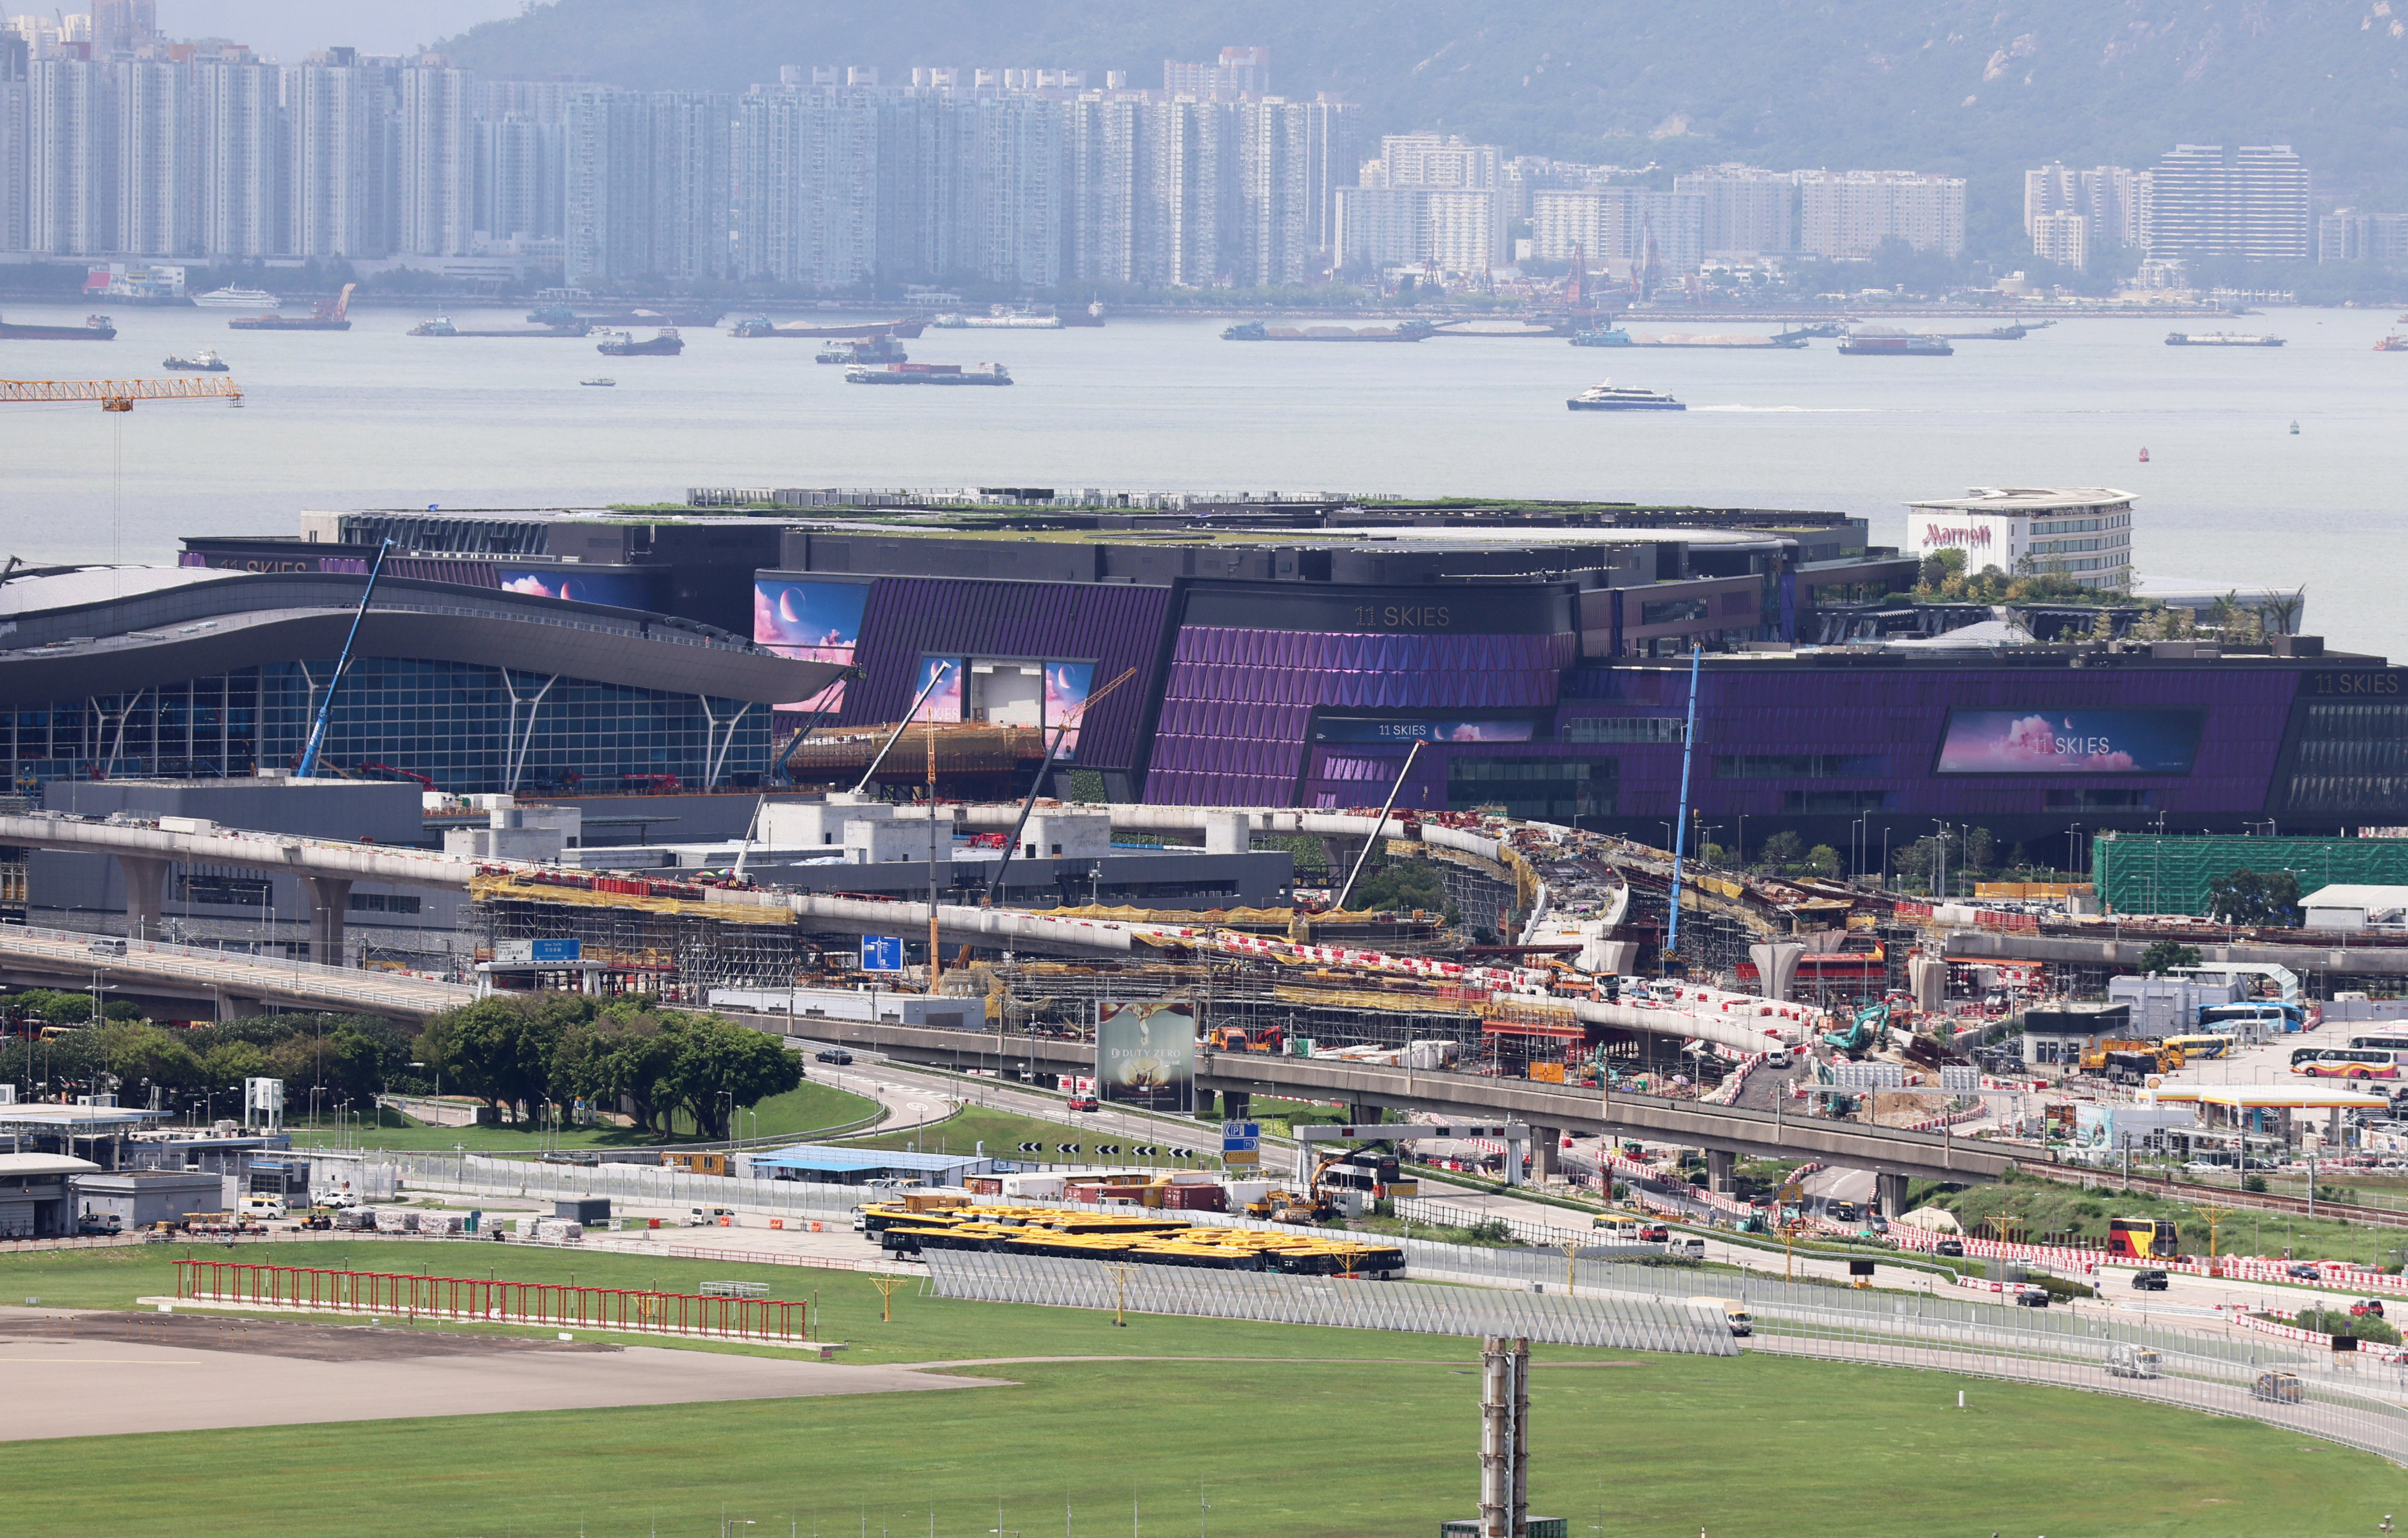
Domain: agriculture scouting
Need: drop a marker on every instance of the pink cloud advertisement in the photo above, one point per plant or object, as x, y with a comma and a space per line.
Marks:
2069, 742
814, 622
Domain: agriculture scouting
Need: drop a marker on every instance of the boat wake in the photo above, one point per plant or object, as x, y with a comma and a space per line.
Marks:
1789, 411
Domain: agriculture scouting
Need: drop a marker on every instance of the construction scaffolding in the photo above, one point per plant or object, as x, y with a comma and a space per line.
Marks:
2150, 873
678, 950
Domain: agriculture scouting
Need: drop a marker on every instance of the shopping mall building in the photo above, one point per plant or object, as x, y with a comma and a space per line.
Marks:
1293, 654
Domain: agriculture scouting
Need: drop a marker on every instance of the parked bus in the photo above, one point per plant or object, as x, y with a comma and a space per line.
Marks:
2142, 1238
2197, 1047
2385, 1043
2351, 1063
2272, 1015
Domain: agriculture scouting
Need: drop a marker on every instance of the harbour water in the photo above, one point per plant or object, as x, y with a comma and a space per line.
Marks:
373, 417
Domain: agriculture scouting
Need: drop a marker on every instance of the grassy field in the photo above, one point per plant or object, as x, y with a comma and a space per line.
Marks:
1004, 1131
2040, 1207
805, 1109
1243, 1416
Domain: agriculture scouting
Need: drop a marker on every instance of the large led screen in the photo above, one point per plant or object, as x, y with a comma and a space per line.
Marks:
1344, 728
814, 622
618, 589
1067, 685
2069, 742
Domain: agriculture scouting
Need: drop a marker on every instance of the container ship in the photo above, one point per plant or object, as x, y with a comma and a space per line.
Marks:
95, 328
761, 325
927, 373
2218, 338
330, 315
1257, 331
622, 344
1882, 341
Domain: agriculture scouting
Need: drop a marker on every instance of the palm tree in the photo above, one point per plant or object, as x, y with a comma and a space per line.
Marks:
2282, 611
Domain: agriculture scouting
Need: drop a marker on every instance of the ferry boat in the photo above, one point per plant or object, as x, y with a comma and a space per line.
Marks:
206, 361
927, 373
2218, 338
999, 319
1609, 396
1882, 341
237, 299
622, 344
1608, 335
95, 328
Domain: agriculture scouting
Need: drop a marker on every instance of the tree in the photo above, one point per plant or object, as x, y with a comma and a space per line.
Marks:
2245, 897
1783, 850
719, 1068
500, 1049
1822, 860
2165, 956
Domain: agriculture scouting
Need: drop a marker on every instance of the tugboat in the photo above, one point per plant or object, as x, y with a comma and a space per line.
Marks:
1606, 336
1607, 397
206, 361
2393, 343
621, 344
95, 328
439, 326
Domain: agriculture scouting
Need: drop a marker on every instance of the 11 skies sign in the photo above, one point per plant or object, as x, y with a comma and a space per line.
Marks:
1145, 1054
2069, 742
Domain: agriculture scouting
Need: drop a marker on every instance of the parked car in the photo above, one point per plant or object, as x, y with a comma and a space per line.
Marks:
1950, 1246
2031, 1297
835, 1055
2149, 1281
2303, 1272
1086, 1102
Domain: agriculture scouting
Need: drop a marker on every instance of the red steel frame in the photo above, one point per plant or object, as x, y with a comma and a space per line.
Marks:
507, 1302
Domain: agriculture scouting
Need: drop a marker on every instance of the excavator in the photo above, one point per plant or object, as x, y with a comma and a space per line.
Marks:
1862, 1035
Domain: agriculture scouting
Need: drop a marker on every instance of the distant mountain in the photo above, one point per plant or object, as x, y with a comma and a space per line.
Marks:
1977, 88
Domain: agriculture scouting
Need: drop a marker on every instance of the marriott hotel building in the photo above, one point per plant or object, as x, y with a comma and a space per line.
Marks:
2082, 532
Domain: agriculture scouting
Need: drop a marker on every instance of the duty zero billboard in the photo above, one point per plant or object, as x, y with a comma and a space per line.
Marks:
1145, 1054
2069, 742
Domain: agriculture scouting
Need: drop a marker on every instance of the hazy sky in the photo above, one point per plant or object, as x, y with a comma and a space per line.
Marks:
287, 29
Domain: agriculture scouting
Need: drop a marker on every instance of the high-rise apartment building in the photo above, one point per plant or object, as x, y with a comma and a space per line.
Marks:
1850, 213
14, 58
2210, 200
692, 184
437, 192
71, 202
2348, 235
239, 114
159, 167
1451, 194
1273, 237
338, 189
810, 175
2063, 238
2113, 198
120, 26
1632, 224
1240, 72
1745, 210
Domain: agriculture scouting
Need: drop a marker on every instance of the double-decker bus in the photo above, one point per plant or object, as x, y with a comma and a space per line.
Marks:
2142, 1238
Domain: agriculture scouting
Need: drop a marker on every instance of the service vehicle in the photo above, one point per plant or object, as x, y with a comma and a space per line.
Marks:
2132, 1362
1086, 1102
1617, 1230
2277, 1387
2144, 1238
2149, 1281
262, 1208
1734, 1313
706, 1218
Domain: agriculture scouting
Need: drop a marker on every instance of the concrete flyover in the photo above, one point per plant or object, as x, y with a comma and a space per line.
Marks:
1466, 1096
2113, 950
235, 985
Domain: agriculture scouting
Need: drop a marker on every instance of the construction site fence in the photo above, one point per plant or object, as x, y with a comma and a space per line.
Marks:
400, 1295
1345, 1304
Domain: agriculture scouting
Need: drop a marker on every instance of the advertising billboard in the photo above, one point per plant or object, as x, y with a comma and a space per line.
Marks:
813, 622
618, 589
944, 701
1067, 685
2069, 742
1145, 1054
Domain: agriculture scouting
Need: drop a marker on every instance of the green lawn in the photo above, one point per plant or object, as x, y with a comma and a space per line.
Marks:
1004, 1131
2039, 1207
805, 1109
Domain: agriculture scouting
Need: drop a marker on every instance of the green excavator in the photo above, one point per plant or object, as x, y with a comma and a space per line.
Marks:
1864, 1034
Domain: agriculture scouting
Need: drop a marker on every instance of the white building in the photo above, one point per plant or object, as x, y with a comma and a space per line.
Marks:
2081, 532
2251, 202
810, 161
240, 114
1747, 212
338, 158
1850, 213
70, 158
2114, 198
439, 163
2063, 238
1618, 224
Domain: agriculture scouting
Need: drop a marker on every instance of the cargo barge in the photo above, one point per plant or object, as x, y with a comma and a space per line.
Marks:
330, 315
927, 373
95, 328
1256, 331
622, 344
761, 325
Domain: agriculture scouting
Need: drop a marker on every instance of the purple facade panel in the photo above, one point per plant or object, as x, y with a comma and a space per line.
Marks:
909, 617
1237, 702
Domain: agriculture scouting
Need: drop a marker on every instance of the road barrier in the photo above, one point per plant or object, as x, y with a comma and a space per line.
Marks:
240, 1283
1614, 1323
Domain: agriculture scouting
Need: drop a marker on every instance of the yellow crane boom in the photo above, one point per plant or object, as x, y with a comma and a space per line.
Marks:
120, 395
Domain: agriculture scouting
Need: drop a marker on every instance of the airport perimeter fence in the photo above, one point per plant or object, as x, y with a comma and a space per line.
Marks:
1269, 1297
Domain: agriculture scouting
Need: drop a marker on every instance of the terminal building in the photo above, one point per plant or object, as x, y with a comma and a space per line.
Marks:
1294, 653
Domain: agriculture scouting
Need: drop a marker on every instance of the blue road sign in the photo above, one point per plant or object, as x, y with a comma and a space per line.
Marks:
1241, 1137
557, 950
882, 953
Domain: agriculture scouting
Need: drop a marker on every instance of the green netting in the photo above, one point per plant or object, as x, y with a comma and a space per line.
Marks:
2144, 873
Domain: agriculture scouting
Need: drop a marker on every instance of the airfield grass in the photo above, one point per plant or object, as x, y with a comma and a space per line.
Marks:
806, 1108
1004, 1131
1284, 1429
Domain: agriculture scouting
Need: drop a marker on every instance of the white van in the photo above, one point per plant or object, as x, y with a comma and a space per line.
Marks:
1734, 1313
262, 1208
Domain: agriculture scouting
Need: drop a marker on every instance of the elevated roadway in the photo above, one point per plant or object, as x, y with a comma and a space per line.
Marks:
232, 985
1721, 1130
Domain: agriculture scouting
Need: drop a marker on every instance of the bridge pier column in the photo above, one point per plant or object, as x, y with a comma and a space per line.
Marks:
146, 890
330, 901
1362, 1116
1236, 1104
234, 1006
1719, 1162
1890, 1191
1546, 1152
